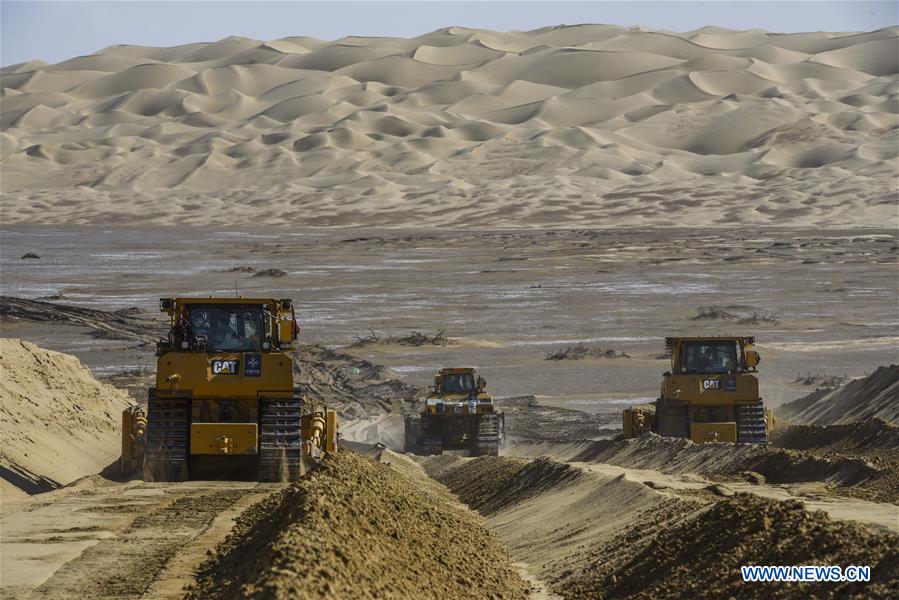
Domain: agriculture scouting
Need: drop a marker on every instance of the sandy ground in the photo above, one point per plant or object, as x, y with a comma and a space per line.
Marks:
100, 539
352, 528
583, 125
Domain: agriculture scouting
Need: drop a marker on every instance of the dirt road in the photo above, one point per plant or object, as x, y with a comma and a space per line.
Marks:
129, 540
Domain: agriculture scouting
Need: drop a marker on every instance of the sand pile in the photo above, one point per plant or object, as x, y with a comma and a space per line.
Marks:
358, 529
875, 441
555, 517
701, 556
874, 396
584, 124
488, 484
591, 535
869, 436
59, 423
527, 419
667, 455
858, 474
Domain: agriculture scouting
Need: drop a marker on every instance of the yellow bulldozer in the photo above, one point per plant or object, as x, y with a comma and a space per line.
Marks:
224, 404
458, 415
711, 394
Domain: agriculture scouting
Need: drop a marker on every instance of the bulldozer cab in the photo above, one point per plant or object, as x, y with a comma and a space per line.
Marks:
706, 355
458, 381
216, 325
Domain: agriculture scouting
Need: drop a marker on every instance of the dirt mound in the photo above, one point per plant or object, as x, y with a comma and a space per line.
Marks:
587, 576
875, 441
357, 529
527, 419
667, 455
59, 423
124, 324
356, 387
862, 437
702, 555
598, 535
874, 396
561, 520
488, 484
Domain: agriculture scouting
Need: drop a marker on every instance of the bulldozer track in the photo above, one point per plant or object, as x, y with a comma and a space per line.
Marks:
751, 426
673, 421
489, 435
166, 452
431, 446
280, 438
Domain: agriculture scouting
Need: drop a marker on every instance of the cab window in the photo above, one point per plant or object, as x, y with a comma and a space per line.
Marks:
709, 357
227, 329
458, 382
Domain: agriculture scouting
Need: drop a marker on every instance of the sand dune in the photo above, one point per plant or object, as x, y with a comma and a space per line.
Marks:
537, 128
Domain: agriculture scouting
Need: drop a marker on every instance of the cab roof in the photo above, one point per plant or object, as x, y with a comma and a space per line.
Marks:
212, 300
167, 305
454, 370
746, 339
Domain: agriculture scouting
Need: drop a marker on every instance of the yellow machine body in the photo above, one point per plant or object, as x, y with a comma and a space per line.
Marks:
458, 415
223, 438
711, 394
638, 421
224, 402
134, 431
714, 432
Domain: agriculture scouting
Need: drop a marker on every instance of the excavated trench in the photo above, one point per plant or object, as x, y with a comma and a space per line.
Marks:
590, 534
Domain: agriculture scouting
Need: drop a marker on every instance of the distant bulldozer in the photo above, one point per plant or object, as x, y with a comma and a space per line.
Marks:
711, 394
458, 415
224, 405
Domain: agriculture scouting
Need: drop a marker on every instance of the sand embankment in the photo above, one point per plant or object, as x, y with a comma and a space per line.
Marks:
590, 535
356, 528
59, 423
586, 125
874, 396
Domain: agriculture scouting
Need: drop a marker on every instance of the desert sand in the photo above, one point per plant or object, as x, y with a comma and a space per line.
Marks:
585, 125
560, 515
59, 423
841, 405
545, 206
